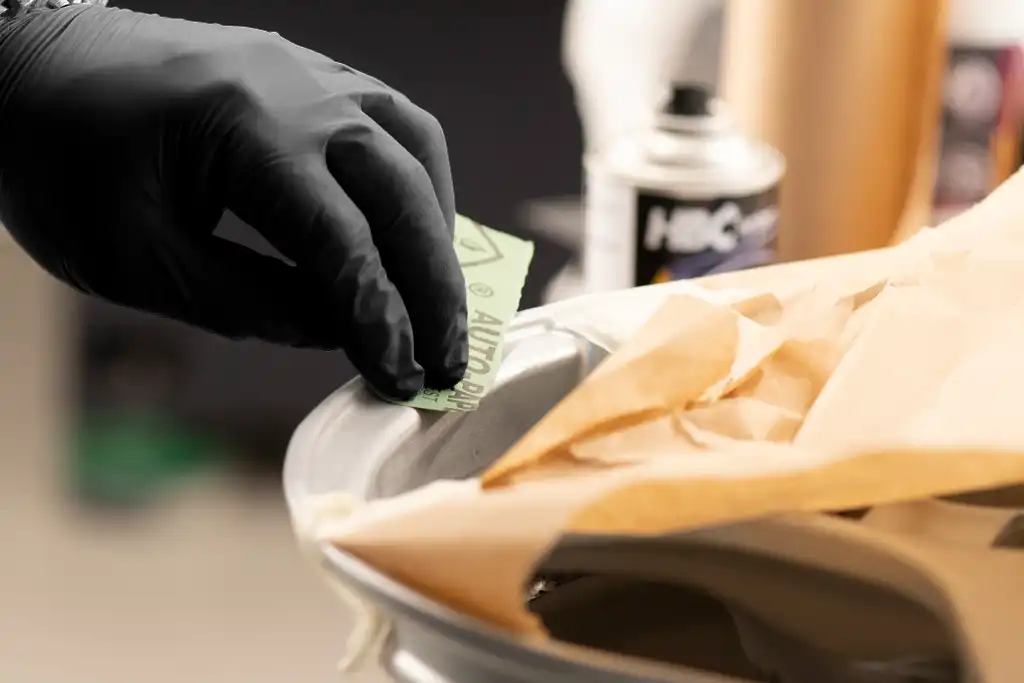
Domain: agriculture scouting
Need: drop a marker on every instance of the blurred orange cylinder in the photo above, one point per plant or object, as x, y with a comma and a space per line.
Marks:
850, 92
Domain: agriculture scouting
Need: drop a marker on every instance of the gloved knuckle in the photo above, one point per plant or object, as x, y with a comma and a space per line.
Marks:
209, 77
234, 91
228, 70
431, 127
423, 122
419, 176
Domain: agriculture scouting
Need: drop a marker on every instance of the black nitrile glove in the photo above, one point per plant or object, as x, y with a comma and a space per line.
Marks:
124, 137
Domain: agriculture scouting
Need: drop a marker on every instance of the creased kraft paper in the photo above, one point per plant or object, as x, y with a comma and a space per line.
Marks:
895, 380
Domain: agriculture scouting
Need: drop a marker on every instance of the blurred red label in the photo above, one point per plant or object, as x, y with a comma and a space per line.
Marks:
980, 132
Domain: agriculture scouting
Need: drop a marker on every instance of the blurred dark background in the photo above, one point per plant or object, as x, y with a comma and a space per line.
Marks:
490, 72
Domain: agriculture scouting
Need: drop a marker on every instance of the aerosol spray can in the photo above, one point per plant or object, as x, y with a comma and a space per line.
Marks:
688, 198
980, 138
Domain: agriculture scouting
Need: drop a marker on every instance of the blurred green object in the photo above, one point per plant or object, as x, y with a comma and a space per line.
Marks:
129, 458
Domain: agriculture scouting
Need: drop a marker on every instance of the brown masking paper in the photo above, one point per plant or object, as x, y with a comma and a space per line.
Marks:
890, 377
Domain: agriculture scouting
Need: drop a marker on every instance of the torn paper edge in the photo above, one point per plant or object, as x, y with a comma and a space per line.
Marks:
371, 628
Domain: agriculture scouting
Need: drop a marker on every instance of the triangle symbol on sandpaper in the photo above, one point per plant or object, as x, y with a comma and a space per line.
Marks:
478, 249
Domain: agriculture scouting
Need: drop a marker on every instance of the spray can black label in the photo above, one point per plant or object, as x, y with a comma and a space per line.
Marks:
679, 239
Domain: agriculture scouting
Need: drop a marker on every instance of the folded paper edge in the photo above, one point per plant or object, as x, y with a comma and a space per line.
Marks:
371, 629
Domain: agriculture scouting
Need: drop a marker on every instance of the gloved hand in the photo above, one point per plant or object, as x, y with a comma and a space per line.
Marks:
124, 137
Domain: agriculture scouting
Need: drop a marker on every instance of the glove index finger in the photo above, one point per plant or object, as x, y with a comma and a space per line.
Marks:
394, 192
422, 136
302, 211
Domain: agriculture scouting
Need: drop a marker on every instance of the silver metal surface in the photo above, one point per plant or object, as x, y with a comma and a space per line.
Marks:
766, 571
354, 442
377, 449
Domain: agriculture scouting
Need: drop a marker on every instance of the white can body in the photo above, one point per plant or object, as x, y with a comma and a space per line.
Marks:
609, 239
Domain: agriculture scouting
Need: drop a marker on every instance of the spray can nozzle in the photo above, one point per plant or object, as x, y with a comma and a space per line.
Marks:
688, 100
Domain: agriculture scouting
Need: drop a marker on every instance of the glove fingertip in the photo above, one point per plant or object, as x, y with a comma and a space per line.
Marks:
452, 367
387, 361
399, 386
446, 378
447, 359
